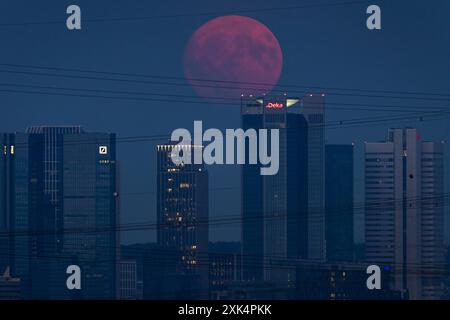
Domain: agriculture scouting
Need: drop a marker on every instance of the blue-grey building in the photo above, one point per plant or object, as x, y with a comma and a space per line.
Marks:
404, 211
339, 202
61, 210
6, 140
278, 210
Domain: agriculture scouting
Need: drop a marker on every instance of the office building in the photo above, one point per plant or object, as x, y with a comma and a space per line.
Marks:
339, 202
6, 141
182, 207
283, 216
312, 107
339, 281
62, 211
404, 215
224, 266
432, 220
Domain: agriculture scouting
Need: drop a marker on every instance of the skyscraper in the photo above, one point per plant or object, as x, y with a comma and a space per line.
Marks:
432, 220
62, 210
313, 109
404, 188
182, 207
89, 202
339, 202
283, 213
23, 205
6, 141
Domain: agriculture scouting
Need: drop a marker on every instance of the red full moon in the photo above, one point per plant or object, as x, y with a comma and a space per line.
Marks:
232, 55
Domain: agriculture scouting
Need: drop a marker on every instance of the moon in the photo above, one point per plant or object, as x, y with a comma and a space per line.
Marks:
232, 55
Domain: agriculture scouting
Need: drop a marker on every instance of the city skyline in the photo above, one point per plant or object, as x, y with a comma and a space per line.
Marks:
337, 53
69, 144
320, 146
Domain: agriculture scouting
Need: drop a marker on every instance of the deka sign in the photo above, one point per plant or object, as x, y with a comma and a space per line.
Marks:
275, 105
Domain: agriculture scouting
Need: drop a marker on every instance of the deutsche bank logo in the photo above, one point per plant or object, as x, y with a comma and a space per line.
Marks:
103, 150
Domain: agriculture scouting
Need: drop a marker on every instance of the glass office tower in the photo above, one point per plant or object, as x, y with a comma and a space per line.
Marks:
339, 202
62, 211
281, 216
182, 207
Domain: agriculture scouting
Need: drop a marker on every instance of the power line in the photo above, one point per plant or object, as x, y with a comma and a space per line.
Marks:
229, 219
365, 106
187, 15
333, 124
170, 251
339, 123
423, 116
271, 262
262, 84
184, 84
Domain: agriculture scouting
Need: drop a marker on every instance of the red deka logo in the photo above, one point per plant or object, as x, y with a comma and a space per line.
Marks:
275, 105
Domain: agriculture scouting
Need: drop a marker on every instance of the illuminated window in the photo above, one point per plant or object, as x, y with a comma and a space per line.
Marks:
184, 185
12, 149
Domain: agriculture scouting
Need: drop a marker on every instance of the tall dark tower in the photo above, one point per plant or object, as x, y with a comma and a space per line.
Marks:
6, 170
339, 202
182, 208
90, 202
62, 210
312, 107
274, 207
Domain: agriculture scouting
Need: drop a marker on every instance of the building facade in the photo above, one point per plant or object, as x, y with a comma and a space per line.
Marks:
339, 202
6, 141
313, 109
182, 206
404, 189
128, 280
283, 214
62, 211
432, 220
10, 288
225, 267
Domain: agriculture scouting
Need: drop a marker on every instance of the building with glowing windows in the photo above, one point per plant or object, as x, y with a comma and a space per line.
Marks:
182, 207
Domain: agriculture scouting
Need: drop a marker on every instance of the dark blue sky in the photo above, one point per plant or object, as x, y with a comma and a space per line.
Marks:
322, 46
